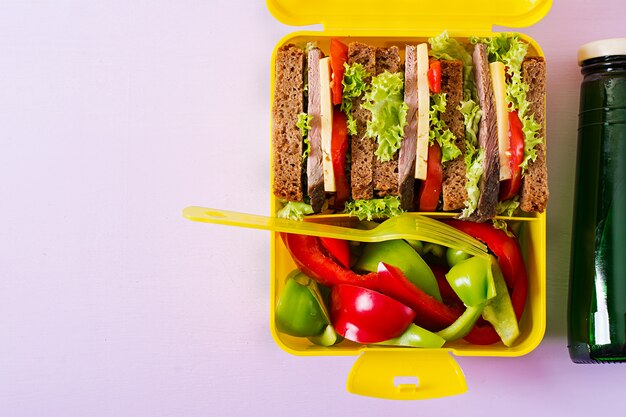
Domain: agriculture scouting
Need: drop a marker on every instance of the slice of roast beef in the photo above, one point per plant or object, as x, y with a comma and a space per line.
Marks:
406, 158
314, 168
489, 184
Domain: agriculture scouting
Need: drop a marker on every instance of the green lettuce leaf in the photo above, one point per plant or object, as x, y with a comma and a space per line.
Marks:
531, 140
375, 208
445, 47
439, 131
294, 210
474, 157
508, 207
385, 100
354, 86
304, 124
471, 118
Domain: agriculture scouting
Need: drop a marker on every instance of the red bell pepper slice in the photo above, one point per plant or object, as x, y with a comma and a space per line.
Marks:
510, 188
511, 261
430, 188
448, 295
366, 316
338, 149
434, 76
338, 57
431, 313
339, 249
311, 258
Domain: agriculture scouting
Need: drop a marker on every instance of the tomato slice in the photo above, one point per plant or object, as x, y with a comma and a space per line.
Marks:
338, 248
338, 149
338, 57
430, 188
366, 316
434, 76
510, 188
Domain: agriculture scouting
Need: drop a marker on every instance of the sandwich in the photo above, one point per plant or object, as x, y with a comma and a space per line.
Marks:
374, 131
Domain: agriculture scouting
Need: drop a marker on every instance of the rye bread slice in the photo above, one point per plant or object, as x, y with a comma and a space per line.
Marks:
534, 192
386, 173
286, 136
454, 180
362, 147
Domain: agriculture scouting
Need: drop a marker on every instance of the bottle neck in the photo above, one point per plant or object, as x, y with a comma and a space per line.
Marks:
604, 64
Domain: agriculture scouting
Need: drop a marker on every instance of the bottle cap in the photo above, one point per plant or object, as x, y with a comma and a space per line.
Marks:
604, 47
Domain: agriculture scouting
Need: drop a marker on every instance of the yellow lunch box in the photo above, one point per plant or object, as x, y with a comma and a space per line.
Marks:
400, 22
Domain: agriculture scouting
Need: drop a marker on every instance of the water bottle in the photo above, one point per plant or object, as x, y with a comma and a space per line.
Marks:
597, 292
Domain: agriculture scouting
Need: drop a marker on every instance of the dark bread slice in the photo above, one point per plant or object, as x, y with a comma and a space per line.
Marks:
386, 173
362, 147
454, 180
535, 193
286, 136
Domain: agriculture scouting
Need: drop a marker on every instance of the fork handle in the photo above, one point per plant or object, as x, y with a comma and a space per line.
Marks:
255, 221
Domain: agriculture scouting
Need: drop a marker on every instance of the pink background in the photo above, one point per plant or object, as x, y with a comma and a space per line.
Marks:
116, 115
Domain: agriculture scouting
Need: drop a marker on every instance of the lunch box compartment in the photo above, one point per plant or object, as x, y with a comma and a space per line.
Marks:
398, 23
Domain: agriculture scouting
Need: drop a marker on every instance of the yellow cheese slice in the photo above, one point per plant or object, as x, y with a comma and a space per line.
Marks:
423, 107
327, 125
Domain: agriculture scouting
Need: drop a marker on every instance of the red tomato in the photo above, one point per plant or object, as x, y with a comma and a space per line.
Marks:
338, 57
430, 188
366, 316
338, 149
510, 188
338, 248
434, 76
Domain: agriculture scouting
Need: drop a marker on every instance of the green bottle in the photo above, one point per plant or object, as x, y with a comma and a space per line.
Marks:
597, 292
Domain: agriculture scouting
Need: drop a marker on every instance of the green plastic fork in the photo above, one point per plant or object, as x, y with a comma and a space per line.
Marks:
405, 226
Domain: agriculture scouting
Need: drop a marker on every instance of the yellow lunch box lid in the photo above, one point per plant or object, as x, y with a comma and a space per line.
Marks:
425, 16
376, 369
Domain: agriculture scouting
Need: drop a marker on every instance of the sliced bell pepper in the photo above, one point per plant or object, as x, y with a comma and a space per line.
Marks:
298, 311
472, 281
454, 256
511, 262
499, 310
339, 249
431, 313
463, 325
400, 254
415, 336
311, 258
366, 316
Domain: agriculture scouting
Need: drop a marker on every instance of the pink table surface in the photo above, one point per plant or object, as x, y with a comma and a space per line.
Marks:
116, 115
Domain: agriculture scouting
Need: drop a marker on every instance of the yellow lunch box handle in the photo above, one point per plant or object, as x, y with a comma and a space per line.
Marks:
405, 375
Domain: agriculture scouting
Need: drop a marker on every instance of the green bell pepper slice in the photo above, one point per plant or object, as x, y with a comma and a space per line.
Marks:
299, 310
499, 310
328, 337
472, 280
462, 326
401, 255
416, 336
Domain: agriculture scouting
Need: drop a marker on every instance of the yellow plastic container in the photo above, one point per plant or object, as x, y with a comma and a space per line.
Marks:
400, 22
